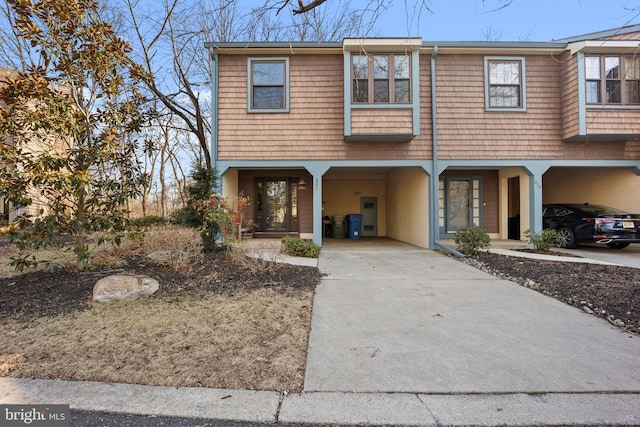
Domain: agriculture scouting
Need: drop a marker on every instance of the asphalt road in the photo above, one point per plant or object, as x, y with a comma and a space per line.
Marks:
100, 419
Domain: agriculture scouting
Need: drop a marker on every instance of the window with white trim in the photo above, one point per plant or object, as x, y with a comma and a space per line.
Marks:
505, 84
381, 78
268, 85
612, 79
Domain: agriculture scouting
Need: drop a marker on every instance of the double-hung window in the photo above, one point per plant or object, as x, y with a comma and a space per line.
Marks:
505, 84
381, 78
268, 85
612, 80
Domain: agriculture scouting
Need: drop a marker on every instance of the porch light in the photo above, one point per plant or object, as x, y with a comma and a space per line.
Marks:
302, 185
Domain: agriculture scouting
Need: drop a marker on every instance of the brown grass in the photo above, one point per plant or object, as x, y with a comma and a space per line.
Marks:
257, 340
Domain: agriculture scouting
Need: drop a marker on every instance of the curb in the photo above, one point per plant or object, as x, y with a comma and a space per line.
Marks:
409, 409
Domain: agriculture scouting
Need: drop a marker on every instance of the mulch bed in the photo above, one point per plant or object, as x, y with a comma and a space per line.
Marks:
41, 294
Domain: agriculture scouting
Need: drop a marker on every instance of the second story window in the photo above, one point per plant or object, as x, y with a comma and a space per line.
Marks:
268, 80
504, 84
612, 80
381, 78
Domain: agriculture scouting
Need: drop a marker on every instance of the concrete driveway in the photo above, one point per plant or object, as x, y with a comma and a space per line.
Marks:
629, 256
404, 319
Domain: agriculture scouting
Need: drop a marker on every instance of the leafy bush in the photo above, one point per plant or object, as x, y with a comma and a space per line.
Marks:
295, 246
545, 240
470, 240
147, 221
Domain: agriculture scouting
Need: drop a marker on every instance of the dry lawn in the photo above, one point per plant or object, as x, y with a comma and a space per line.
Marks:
247, 337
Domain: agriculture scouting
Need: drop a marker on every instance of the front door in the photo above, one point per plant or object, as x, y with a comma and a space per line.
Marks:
461, 203
369, 210
276, 205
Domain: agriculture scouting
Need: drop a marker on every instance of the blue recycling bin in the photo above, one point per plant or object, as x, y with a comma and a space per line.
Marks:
354, 225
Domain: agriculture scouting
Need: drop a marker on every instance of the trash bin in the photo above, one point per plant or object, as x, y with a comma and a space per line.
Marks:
337, 226
354, 224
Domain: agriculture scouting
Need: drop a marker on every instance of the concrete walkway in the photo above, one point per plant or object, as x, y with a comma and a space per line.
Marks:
404, 336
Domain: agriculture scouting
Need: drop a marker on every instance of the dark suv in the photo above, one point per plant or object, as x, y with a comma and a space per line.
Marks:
586, 223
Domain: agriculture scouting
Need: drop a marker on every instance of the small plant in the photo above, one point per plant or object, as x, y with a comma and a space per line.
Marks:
295, 246
545, 240
470, 240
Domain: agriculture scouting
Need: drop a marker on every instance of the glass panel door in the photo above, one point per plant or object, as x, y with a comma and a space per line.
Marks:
275, 205
458, 206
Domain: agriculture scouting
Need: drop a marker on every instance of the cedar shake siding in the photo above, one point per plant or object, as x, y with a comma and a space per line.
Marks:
314, 126
570, 126
467, 131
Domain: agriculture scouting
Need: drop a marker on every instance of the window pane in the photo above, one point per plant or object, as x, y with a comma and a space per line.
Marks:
381, 91
593, 92
360, 66
268, 73
592, 67
381, 67
633, 92
506, 73
401, 67
504, 96
613, 91
268, 97
612, 67
360, 91
632, 67
401, 91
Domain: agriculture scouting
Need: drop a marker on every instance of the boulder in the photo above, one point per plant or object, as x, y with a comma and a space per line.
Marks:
123, 287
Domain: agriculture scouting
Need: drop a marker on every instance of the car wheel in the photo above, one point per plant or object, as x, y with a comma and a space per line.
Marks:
568, 237
617, 245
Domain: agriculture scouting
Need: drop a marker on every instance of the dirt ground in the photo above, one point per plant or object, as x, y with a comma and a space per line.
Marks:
224, 324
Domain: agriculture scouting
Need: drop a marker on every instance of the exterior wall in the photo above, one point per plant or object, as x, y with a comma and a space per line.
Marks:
570, 126
342, 191
381, 121
615, 187
613, 121
314, 127
408, 206
507, 205
467, 131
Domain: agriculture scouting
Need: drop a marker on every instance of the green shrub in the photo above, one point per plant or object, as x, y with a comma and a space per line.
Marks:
545, 240
147, 221
295, 246
470, 240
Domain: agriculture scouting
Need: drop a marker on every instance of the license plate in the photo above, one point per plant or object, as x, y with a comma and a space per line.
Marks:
628, 224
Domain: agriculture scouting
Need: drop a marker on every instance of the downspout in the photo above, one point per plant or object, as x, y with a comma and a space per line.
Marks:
434, 234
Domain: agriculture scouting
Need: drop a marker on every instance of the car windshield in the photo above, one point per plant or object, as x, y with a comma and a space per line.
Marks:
598, 209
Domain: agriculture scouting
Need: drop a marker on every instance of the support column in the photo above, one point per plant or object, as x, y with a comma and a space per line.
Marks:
317, 171
535, 196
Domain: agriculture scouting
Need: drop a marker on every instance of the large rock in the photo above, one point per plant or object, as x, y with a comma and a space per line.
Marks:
123, 287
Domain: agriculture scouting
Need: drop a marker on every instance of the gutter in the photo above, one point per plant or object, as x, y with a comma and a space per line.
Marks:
213, 67
433, 194
448, 249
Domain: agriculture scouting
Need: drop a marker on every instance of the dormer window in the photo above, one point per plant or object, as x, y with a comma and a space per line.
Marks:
612, 79
381, 78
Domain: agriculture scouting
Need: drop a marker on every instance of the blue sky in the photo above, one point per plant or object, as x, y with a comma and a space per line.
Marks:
523, 20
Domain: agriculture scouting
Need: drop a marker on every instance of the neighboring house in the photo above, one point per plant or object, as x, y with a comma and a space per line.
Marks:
39, 205
424, 138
